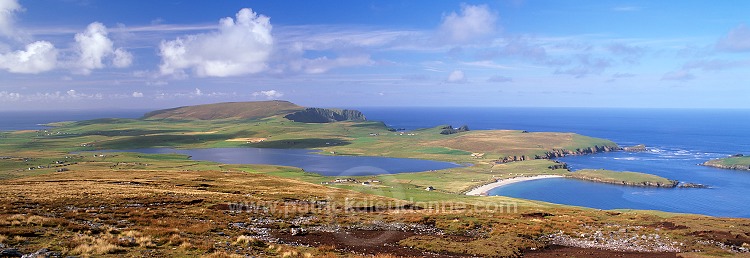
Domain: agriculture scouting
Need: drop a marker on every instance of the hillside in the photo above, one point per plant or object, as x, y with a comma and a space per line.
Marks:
229, 110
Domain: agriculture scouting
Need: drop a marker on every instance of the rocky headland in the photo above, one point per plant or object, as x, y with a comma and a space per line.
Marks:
325, 115
736, 162
623, 178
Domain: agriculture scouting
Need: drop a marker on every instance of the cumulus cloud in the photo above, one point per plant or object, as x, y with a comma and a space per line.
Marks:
94, 46
9, 96
40, 56
239, 47
269, 94
680, 75
737, 40
73, 94
122, 58
471, 23
457, 76
137, 94
8, 9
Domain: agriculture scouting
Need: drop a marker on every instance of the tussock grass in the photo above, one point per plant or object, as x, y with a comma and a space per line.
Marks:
89, 245
219, 254
245, 240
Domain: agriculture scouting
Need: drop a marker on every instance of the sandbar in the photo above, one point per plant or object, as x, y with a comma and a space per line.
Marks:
482, 190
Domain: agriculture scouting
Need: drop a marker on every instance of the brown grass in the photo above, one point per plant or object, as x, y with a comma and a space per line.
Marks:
506, 142
94, 246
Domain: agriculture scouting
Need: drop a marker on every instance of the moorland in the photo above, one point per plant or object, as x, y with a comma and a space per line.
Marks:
62, 197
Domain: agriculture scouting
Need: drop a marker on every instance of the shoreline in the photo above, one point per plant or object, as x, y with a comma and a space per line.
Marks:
482, 190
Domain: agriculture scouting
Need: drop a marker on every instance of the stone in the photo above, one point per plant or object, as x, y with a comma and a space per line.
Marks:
297, 231
11, 252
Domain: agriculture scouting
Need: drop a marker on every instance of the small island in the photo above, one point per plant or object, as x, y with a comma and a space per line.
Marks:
736, 162
623, 178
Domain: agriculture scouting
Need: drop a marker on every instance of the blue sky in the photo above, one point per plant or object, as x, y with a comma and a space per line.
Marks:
90, 54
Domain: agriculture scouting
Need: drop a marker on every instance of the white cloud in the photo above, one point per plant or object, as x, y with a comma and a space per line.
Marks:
198, 92
94, 46
157, 83
457, 76
8, 8
122, 58
240, 46
737, 40
9, 96
137, 94
473, 22
40, 56
324, 64
269, 94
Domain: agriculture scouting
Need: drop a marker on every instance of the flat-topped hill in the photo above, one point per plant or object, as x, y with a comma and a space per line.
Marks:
229, 110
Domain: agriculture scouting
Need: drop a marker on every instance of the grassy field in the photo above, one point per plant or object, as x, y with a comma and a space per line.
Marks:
735, 162
622, 178
168, 205
115, 204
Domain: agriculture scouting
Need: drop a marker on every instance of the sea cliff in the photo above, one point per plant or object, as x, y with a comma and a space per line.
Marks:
325, 115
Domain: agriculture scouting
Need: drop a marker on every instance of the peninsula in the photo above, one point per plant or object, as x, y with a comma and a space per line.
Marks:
736, 162
60, 201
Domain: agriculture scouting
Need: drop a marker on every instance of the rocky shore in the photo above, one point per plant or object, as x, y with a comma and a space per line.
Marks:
671, 184
559, 153
723, 163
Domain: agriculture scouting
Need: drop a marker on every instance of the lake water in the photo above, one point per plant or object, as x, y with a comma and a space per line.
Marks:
308, 160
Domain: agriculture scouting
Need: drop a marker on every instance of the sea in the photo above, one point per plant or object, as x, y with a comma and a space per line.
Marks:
678, 140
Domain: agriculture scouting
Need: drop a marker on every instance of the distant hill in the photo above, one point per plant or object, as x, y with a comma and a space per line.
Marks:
229, 110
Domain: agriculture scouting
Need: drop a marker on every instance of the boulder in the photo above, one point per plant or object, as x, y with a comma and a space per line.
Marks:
11, 252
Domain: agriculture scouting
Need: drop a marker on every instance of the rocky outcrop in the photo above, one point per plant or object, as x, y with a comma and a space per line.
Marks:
559, 165
559, 153
450, 130
636, 148
514, 158
325, 115
692, 185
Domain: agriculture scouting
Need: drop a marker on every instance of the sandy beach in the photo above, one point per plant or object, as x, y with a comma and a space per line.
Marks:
482, 190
